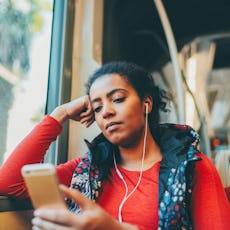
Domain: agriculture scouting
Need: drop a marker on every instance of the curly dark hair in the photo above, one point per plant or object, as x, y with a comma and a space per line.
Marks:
140, 80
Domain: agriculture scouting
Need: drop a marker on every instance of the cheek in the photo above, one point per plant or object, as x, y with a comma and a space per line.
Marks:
134, 115
98, 120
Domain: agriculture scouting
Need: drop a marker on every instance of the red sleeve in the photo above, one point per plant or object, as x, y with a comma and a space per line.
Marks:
31, 150
65, 171
209, 205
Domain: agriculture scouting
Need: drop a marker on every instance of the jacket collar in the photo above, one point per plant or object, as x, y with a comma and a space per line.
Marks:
173, 140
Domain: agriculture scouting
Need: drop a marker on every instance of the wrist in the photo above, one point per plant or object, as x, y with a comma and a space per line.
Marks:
59, 114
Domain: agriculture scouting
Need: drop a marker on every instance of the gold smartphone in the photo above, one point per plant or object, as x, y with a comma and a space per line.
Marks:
42, 185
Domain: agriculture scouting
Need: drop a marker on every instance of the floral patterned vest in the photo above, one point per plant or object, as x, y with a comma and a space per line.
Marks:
178, 144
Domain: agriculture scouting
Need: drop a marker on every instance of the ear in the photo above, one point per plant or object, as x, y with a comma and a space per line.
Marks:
148, 104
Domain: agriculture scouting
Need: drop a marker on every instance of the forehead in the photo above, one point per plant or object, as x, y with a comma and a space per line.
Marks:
107, 83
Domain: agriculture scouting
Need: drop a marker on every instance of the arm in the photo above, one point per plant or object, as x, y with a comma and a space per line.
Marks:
34, 146
31, 150
209, 205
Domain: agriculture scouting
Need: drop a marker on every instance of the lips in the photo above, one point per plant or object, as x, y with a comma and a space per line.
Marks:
111, 124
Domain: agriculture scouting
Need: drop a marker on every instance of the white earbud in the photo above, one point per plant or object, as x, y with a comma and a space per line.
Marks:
146, 107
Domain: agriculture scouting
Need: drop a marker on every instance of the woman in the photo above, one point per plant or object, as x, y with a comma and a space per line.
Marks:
141, 174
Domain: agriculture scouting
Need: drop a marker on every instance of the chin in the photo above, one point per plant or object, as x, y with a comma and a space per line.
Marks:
115, 139
120, 141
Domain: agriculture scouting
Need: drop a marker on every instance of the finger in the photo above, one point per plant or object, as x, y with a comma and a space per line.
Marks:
82, 201
86, 113
41, 224
36, 228
88, 108
87, 119
89, 123
63, 218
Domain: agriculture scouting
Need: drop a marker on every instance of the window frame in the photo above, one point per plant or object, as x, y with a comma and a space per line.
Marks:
60, 73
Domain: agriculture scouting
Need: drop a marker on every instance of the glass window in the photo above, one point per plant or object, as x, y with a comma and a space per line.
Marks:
25, 37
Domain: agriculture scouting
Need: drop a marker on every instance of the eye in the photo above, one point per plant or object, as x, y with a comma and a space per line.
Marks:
119, 99
97, 109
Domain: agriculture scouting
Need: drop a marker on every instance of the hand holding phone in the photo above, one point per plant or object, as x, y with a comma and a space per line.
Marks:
42, 185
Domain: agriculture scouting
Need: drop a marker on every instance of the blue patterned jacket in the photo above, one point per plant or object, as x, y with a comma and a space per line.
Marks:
178, 144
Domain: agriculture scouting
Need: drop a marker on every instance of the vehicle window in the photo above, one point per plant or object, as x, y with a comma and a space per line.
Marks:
25, 37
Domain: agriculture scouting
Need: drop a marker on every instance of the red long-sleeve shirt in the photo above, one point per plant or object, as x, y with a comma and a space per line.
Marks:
209, 205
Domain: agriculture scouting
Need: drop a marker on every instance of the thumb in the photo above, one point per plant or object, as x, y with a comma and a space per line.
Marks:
75, 195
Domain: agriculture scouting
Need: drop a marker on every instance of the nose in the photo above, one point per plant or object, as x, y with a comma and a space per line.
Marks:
107, 110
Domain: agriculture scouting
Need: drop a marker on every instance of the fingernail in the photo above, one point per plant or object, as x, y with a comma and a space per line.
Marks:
35, 228
37, 213
36, 220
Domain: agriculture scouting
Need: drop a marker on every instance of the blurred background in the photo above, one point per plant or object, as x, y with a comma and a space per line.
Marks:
48, 49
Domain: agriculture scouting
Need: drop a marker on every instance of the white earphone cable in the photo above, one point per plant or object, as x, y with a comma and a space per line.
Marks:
127, 195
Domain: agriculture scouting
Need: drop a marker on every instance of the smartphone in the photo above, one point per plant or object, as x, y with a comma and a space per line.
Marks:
42, 185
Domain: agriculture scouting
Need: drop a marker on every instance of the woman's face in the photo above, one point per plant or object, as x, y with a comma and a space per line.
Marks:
119, 112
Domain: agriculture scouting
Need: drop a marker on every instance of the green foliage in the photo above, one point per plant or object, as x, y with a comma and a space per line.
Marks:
19, 21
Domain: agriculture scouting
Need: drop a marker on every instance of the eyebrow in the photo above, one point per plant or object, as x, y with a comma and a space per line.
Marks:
109, 94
